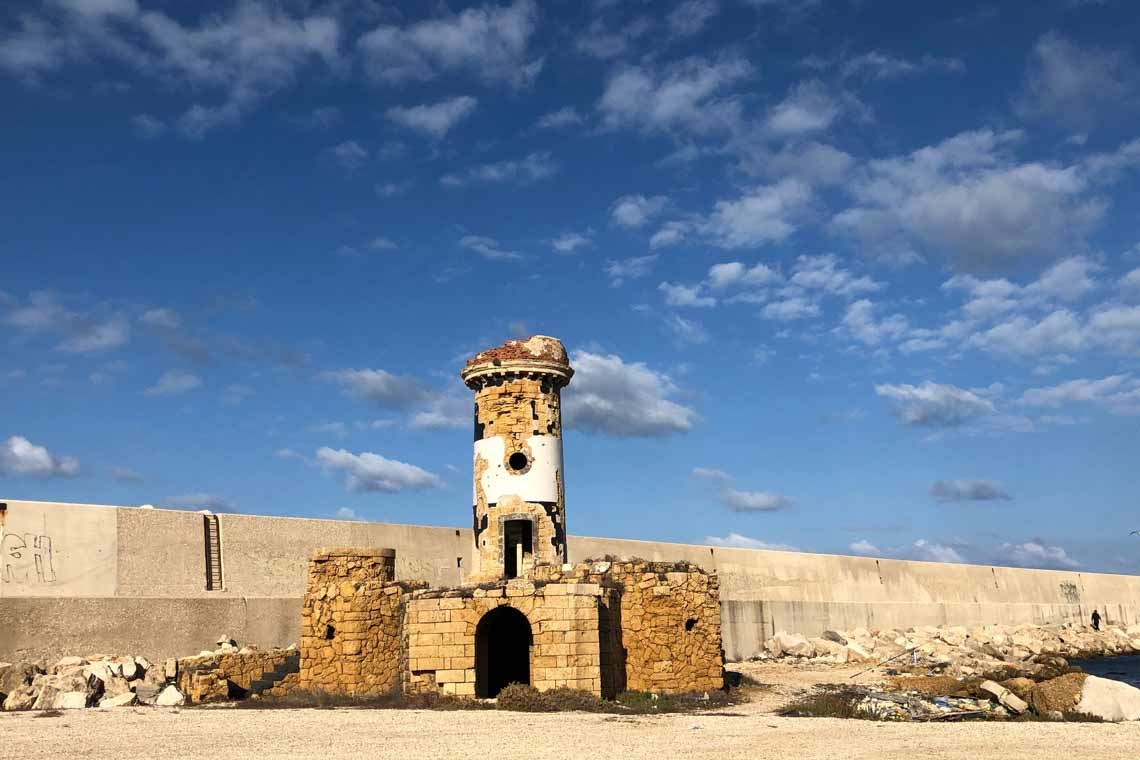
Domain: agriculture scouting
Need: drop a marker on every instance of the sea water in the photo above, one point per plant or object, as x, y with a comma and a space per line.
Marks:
1125, 668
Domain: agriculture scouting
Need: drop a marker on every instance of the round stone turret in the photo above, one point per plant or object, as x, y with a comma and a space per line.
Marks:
518, 499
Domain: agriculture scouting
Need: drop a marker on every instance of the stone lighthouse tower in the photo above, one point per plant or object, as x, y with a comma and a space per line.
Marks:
519, 502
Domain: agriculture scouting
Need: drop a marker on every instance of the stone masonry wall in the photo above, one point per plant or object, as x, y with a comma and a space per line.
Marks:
218, 677
441, 635
351, 623
669, 617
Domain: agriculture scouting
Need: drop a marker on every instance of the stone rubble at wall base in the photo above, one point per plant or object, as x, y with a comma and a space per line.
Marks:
108, 682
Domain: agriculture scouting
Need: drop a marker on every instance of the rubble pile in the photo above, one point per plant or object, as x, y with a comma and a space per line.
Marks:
104, 681
957, 649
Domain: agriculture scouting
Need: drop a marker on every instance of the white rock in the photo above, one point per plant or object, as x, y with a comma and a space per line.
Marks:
1110, 700
856, 653
143, 663
1004, 697
70, 700
794, 644
129, 670
70, 662
170, 697
120, 700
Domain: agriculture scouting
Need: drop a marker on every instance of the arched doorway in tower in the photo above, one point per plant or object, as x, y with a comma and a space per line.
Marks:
502, 651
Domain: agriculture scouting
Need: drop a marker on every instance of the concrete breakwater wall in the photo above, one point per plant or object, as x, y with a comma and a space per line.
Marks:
84, 579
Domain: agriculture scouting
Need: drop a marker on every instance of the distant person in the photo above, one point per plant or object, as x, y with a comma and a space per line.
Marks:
1096, 620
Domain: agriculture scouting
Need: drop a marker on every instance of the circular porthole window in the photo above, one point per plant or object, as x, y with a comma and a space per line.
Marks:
518, 461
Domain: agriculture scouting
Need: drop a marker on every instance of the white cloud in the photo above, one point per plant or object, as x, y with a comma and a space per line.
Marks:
633, 211
1036, 553
1130, 283
488, 248
709, 473
571, 241
686, 96
685, 295
19, 457
1120, 394
734, 273
101, 336
865, 548
346, 513
765, 214
166, 319
381, 243
612, 397
1117, 328
875, 64
445, 412
686, 331
599, 41
809, 107
671, 233
861, 321
435, 119
147, 127
753, 501
737, 541
567, 116
790, 309
824, 273
381, 387
490, 41
371, 472
968, 198
629, 269
928, 551
936, 405
530, 168
1077, 86
953, 491
207, 501
348, 155
391, 189
689, 17
173, 382
1057, 333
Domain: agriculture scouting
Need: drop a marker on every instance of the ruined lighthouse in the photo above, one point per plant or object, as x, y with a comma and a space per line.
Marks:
518, 499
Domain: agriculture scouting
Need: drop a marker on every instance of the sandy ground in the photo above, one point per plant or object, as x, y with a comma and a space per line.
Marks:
748, 730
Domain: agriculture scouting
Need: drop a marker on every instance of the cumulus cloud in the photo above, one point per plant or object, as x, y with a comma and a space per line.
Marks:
571, 241
599, 40
685, 295
523, 171
930, 551
381, 387
753, 501
568, 116
865, 548
452, 411
861, 321
968, 198
612, 397
953, 491
633, 211
737, 541
735, 273
173, 382
490, 41
689, 17
687, 96
790, 309
165, 319
809, 107
371, 472
629, 269
488, 248
936, 405
21, 457
348, 155
1075, 85
1036, 553
877, 65
208, 501
435, 119
765, 214
1118, 393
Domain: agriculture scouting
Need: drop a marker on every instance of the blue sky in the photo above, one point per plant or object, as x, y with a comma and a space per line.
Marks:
846, 276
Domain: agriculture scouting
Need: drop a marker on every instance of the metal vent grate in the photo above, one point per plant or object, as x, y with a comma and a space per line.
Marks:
213, 542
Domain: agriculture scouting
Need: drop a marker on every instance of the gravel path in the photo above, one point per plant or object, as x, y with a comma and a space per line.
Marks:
228, 734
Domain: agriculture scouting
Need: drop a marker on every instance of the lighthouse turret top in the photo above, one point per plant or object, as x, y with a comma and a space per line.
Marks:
539, 354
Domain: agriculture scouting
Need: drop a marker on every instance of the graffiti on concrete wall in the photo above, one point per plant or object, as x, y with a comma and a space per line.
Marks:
25, 559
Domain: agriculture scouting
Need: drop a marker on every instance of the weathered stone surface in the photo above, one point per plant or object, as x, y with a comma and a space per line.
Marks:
70, 700
1109, 700
16, 675
170, 697
119, 700
49, 689
1057, 694
20, 698
1004, 697
835, 636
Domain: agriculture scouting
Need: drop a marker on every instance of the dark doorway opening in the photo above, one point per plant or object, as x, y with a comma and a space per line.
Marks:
502, 651
518, 546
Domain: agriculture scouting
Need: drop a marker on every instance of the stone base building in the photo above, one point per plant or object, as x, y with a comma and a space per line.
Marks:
524, 615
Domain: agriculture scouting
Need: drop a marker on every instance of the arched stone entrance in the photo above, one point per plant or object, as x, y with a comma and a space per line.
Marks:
502, 651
